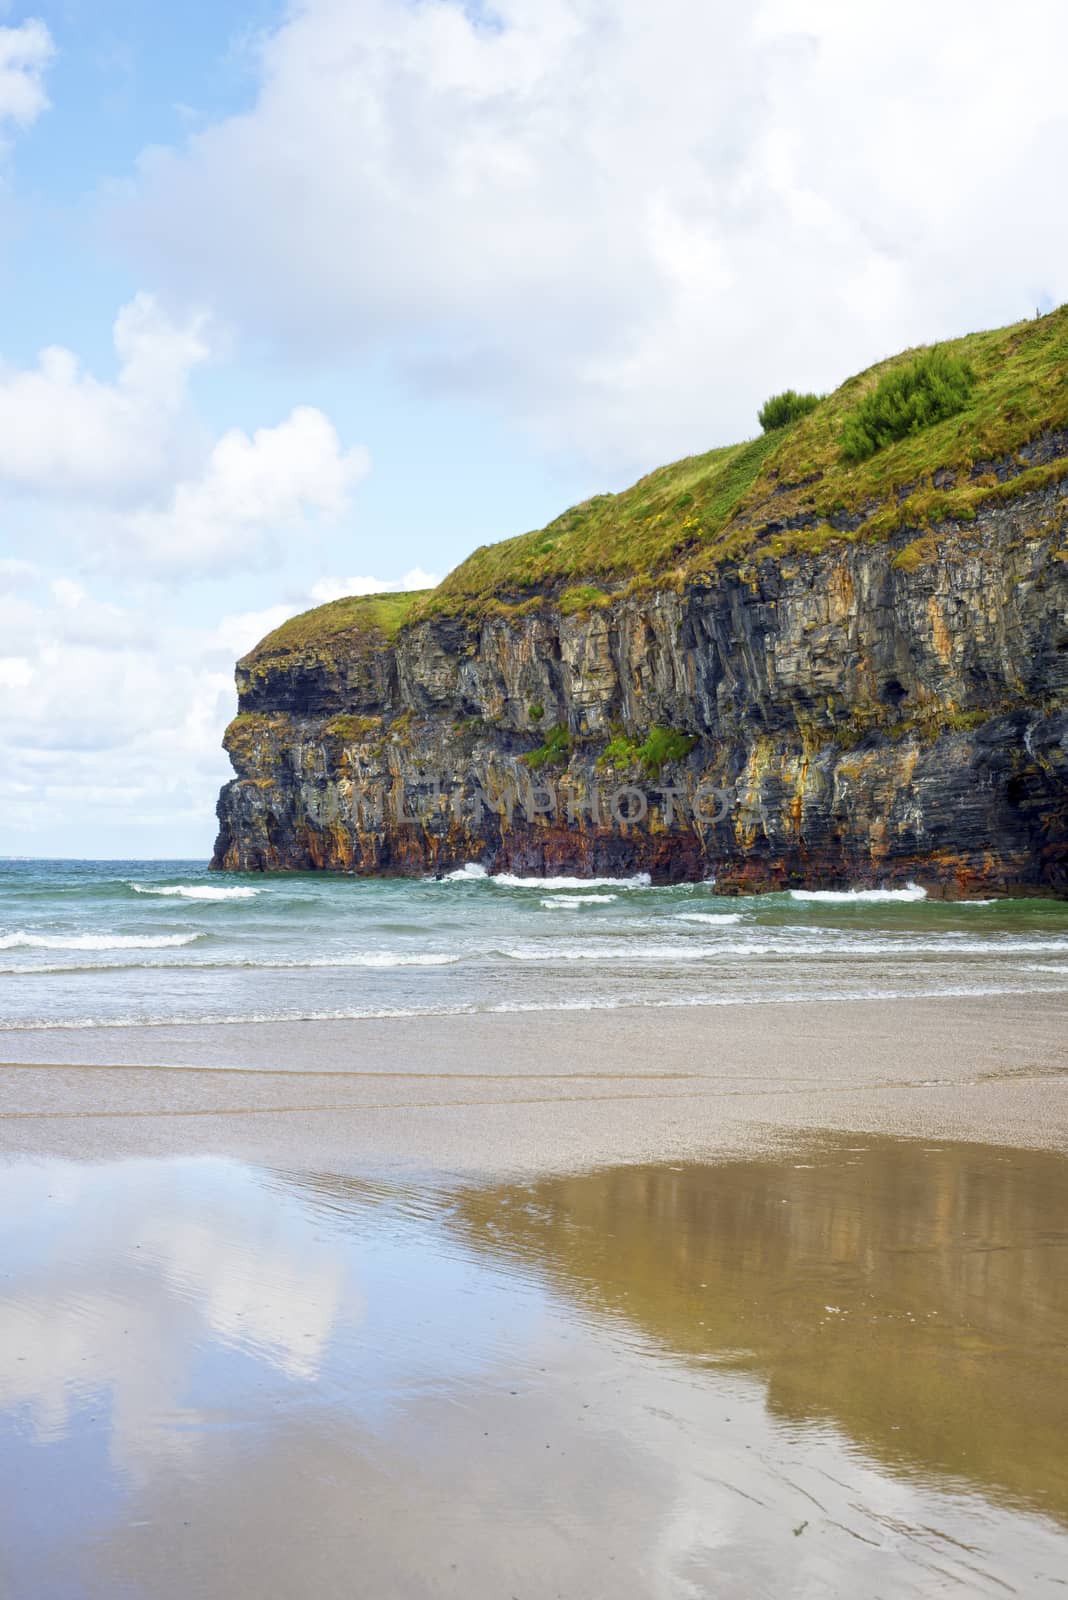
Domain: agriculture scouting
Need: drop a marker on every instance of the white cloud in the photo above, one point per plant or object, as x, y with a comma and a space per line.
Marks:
239, 631
15, 672
336, 588
130, 459
16, 572
110, 720
118, 710
67, 435
25, 52
250, 487
626, 223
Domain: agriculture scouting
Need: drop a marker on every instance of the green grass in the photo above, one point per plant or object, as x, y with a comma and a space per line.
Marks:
936, 385
730, 504
556, 748
368, 618
582, 598
615, 538
660, 747
1020, 391
779, 410
788, 494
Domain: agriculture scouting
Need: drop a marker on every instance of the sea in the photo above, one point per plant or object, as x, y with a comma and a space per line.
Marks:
102, 943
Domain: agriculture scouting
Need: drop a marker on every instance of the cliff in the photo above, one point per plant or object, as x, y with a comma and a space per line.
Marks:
769, 663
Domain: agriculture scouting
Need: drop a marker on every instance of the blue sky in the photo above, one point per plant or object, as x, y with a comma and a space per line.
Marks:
337, 290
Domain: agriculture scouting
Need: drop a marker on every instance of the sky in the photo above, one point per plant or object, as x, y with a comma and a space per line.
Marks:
303, 299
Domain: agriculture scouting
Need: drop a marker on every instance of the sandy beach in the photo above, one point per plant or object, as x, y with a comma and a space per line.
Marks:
649, 1302
544, 1091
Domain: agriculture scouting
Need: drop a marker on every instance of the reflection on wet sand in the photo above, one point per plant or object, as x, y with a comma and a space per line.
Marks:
916, 1296
834, 1374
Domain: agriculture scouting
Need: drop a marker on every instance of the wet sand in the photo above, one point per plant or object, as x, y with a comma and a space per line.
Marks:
841, 1375
543, 1091
748, 1301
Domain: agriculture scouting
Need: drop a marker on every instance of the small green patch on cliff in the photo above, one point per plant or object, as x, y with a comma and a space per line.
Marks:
660, 747
557, 748
351, 729
582, 598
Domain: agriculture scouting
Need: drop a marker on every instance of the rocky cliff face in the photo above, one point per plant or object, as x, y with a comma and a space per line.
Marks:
866, 713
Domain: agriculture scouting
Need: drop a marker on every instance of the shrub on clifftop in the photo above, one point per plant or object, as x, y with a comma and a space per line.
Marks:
786, 407
934, 386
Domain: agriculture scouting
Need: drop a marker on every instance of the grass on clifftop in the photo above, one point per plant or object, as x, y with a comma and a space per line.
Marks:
613, 536
1018, 392
791, 491
732, 503
374, 617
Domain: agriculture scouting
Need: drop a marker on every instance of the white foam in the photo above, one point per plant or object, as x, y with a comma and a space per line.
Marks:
591, 1003
470, 873
779, 948
724, 918
371, 958
94, 941
197, 891
640, 952
375, 958
508, 880
575, 902
354, 958
847, 897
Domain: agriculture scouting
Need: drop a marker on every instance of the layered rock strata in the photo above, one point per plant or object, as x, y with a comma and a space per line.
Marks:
868, 713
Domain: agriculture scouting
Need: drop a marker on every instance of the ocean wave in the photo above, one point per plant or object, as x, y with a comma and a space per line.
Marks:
847, 897
724, 918
473, 873
643, 953
642, 948
508, 880
196, 891
575, 902
507, 1007
640, 952
94, 941
371, 958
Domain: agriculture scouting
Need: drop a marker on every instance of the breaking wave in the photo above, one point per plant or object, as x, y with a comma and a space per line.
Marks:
196, 891
473, 873
575, 902
94, 941
508, 880
723, 918
847, 897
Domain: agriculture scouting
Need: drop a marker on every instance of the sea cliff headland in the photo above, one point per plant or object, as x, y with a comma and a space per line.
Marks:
795, 661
